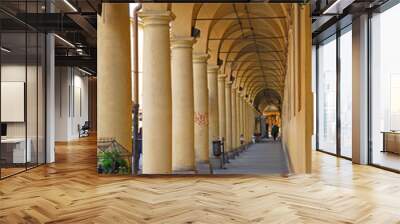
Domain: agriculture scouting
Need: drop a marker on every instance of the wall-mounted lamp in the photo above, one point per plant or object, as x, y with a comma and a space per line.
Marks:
195, 32
219, 62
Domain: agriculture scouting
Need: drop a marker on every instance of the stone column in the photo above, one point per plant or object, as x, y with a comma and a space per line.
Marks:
238, 116
157, 103
245, 119
221, 105
212, 71
228, 115
254, 121
200, 107
241, 115
114, 108
182, 104
234, 114
248, 120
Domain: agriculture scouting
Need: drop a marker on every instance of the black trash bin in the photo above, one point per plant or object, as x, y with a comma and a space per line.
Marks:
217, 151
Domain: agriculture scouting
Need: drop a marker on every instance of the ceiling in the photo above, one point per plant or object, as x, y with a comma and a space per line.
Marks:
249, 42
74, 22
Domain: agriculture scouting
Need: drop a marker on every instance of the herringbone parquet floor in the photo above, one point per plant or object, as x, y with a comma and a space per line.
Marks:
70, 191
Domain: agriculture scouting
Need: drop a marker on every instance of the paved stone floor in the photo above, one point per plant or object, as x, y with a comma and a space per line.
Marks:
266, 157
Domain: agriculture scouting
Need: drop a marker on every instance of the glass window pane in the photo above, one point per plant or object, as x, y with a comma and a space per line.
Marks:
31, 97
346, 94
385, 84
14, 153
22, 91
327, 96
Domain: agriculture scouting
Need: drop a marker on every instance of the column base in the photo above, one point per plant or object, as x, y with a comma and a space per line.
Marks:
183, 170
231, 155
237, 151
215, 163
227, 158
204, 167
178, 172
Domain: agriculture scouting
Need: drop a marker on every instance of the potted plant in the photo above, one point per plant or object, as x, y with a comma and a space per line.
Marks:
112, 162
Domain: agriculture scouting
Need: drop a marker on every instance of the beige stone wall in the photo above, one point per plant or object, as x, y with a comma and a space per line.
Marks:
297, 110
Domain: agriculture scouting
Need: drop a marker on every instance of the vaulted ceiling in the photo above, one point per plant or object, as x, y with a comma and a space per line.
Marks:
248, 41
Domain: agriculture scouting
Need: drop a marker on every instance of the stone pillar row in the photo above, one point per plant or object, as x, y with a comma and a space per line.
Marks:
238, 118
234, 124
186, 103
228, 117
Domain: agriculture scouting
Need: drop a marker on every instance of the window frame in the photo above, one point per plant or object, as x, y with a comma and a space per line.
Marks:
334, 37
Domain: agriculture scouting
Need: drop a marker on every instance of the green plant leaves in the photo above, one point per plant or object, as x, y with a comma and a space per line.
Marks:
112, 162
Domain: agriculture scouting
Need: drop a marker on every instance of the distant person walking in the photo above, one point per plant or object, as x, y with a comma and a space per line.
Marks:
241, 139
275, 131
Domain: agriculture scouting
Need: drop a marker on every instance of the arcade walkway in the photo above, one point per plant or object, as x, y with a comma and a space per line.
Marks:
70, 191
266, 157
209, 72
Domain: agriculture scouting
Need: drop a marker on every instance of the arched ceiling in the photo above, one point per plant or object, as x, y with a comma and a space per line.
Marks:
248, 40
267, 98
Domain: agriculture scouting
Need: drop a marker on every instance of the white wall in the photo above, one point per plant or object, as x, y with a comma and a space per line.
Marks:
34, 126
16, 73
71, 102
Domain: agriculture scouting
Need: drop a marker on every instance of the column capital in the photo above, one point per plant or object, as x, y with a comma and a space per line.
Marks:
228, 84
221, 78
155, 17
234, 93
200, 57
212, 68
182, 42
